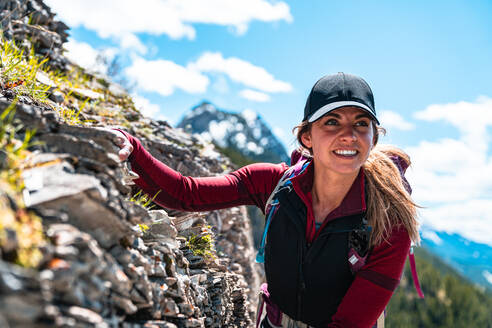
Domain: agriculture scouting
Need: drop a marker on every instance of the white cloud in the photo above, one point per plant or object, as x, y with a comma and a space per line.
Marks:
254, 95
470, 219
85, 55
146, 107
451, 177
220, 85
391, 119
164, 76
131, 42
174, 18
471, 119
240, 71
432, 235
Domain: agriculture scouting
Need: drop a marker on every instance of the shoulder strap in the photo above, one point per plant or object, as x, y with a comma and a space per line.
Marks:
415, 277
272, 203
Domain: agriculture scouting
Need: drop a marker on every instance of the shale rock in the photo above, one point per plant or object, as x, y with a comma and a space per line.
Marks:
107, 261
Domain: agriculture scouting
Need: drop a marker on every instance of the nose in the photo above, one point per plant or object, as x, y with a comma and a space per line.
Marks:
348, 134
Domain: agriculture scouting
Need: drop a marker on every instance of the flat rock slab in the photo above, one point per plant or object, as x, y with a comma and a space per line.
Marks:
64, 143
55, 187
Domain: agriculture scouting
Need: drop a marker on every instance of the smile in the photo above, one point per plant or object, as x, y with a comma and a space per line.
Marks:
346, 153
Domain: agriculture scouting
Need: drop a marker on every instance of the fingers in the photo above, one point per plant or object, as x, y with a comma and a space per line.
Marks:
126, 150
126, 147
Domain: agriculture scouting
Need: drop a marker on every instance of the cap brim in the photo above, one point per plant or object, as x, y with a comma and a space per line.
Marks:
334, 105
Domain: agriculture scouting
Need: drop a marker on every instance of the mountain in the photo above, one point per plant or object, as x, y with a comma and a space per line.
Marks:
450, 300
472, 260
245, 133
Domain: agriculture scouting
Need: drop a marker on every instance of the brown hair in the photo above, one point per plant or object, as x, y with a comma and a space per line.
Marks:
388, 203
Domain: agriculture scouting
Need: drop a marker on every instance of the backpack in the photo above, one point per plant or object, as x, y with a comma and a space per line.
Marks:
358, 238
358, 244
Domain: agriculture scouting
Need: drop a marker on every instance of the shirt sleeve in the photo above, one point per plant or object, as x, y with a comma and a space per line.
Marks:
374, 284
250, 185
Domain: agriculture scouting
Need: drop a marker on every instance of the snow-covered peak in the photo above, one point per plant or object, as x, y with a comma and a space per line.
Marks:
250, 116
245, 132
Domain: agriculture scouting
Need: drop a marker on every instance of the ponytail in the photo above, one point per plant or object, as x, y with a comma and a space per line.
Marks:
388, 202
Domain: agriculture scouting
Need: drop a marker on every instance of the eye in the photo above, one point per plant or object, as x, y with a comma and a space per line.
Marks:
362, 123
331, 121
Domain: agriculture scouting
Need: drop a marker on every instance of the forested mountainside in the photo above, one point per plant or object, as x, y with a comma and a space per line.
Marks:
450, 300
78, 246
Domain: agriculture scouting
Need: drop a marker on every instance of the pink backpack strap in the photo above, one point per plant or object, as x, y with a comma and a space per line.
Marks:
415, 277
272, 311
259, 310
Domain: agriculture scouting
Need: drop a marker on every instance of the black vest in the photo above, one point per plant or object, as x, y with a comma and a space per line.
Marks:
307, 281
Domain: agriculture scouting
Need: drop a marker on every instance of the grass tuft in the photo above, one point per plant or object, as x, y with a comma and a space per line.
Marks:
144, 199
202, 244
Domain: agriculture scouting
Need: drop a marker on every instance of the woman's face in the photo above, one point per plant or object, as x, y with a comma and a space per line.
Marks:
341, 140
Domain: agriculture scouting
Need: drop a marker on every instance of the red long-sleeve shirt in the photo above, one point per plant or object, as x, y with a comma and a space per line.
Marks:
251, 185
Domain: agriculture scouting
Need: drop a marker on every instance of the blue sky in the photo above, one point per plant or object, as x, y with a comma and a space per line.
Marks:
428, 64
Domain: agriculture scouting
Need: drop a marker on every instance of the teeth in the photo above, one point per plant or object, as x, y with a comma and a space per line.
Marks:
346, 152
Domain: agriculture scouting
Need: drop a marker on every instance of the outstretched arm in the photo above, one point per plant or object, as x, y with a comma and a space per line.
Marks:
250, 185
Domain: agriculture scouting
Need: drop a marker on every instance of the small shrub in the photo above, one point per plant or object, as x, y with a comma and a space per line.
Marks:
202, 244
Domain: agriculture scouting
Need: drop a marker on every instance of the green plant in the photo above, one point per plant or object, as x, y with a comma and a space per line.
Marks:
15, 151
27, 74
19, 71
25, 225
144, 199
143, 227
202, 244
71, 116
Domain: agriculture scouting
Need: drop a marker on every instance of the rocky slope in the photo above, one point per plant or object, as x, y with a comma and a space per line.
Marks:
77, 250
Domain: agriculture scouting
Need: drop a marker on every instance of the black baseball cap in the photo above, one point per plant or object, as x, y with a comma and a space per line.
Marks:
339, 90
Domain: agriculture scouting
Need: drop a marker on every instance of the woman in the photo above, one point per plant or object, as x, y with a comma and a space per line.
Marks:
320, 270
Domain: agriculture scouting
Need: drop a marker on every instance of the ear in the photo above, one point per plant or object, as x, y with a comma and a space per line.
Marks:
375, 135
306, 139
